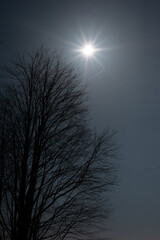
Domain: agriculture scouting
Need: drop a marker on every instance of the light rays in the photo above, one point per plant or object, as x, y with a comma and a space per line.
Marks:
88, 50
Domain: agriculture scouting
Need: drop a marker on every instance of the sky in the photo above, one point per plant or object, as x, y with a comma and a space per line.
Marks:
124, 87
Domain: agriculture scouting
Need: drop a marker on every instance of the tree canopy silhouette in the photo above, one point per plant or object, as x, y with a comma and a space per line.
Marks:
53, 167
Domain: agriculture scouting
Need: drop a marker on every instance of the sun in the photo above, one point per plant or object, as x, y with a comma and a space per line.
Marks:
88, 50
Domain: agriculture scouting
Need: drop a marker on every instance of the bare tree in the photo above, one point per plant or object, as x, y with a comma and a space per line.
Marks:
54, 168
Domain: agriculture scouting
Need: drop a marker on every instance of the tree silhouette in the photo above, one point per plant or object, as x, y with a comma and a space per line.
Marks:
54, 168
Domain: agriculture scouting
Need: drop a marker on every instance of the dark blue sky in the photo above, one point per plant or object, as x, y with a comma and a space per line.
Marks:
124, 87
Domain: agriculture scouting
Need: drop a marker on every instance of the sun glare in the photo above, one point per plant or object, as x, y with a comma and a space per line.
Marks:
88, 50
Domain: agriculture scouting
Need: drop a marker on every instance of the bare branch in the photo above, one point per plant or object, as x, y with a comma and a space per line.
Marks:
54, 168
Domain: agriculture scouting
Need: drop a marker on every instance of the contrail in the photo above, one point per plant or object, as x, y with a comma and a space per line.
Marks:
96, 74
